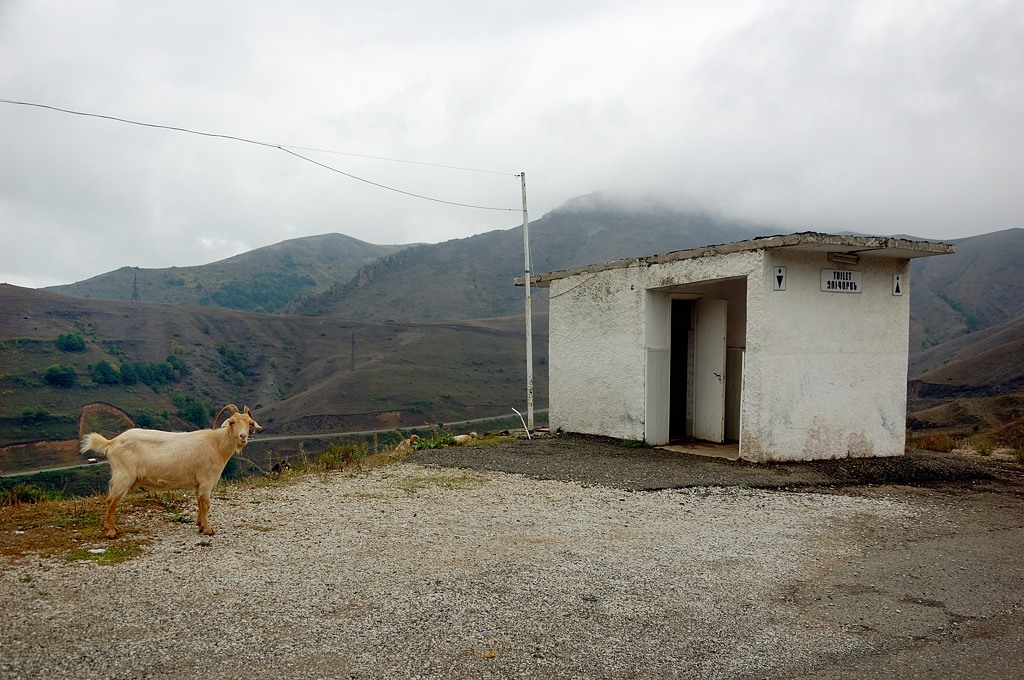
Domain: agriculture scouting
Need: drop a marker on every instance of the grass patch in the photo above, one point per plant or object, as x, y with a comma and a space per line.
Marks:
464, 481
115, 553
70, 527
50, 528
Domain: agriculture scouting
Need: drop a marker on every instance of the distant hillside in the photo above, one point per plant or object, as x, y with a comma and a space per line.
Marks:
979, 385
304, 374
985, 363
472, 277
262, 280
980, 287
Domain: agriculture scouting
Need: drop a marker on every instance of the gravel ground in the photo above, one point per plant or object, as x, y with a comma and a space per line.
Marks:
576, 559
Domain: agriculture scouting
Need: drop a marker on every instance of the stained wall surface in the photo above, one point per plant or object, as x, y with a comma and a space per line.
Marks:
824, 373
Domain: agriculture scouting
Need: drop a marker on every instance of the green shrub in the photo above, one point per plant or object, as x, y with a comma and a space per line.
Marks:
71, 342
196, 412
60, 376
438, 439
23, 493
34, 416
149, 420
982, 446
129, 376
103, 373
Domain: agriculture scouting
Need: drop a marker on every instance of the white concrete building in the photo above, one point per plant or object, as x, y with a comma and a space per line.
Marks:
793, 347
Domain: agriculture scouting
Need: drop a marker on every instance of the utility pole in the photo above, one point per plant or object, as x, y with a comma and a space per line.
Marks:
529, 309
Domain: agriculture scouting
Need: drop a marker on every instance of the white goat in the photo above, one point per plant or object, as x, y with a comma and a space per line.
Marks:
171, 460
461, 439
406, 444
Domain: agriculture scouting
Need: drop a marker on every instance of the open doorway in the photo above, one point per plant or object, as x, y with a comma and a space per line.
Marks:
705, 374
680, 419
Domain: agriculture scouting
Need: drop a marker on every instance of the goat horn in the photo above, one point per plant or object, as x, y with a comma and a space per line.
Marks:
234, 409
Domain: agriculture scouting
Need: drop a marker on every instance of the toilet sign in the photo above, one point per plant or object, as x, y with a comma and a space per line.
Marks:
897, 284
841, 281
779, 279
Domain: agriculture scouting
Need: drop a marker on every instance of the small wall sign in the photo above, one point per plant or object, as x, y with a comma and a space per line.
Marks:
897, 284
841, 281
779, 279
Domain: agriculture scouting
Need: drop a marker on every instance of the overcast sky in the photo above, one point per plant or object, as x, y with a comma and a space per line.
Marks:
879, 117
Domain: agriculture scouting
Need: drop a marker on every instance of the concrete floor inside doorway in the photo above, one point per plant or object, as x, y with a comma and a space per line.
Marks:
727, 451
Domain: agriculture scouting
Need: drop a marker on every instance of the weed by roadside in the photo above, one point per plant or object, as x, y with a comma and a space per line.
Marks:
982, 446
64, 527
24, 493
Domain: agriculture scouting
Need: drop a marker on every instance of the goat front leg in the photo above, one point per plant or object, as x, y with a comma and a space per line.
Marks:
203, 497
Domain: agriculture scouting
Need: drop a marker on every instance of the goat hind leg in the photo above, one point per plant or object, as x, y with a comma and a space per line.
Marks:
119, 488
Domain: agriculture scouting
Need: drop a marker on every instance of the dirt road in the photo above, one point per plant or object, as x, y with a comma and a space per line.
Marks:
942, 597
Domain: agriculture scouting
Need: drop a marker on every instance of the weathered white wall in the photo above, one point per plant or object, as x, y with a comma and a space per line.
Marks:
825, 373
596, 358
605, 326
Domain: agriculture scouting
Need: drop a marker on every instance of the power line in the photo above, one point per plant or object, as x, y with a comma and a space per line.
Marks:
288, 149
402, 160
400, 191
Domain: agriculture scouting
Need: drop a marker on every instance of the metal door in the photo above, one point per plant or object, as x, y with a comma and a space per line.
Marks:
709, 371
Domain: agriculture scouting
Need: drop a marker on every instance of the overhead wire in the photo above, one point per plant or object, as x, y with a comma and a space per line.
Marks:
287, 148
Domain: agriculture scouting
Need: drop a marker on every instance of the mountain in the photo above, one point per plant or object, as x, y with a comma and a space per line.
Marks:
261, 280
979, 287
472, 277
304, 374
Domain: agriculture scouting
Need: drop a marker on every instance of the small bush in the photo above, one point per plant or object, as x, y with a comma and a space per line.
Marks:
23, 493
59, 375
30, 416
982, 446
438, 439
196, 412
942, 443
71, 342
339, 456
104, 373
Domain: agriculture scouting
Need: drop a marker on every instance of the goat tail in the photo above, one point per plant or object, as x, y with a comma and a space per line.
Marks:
95, 442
